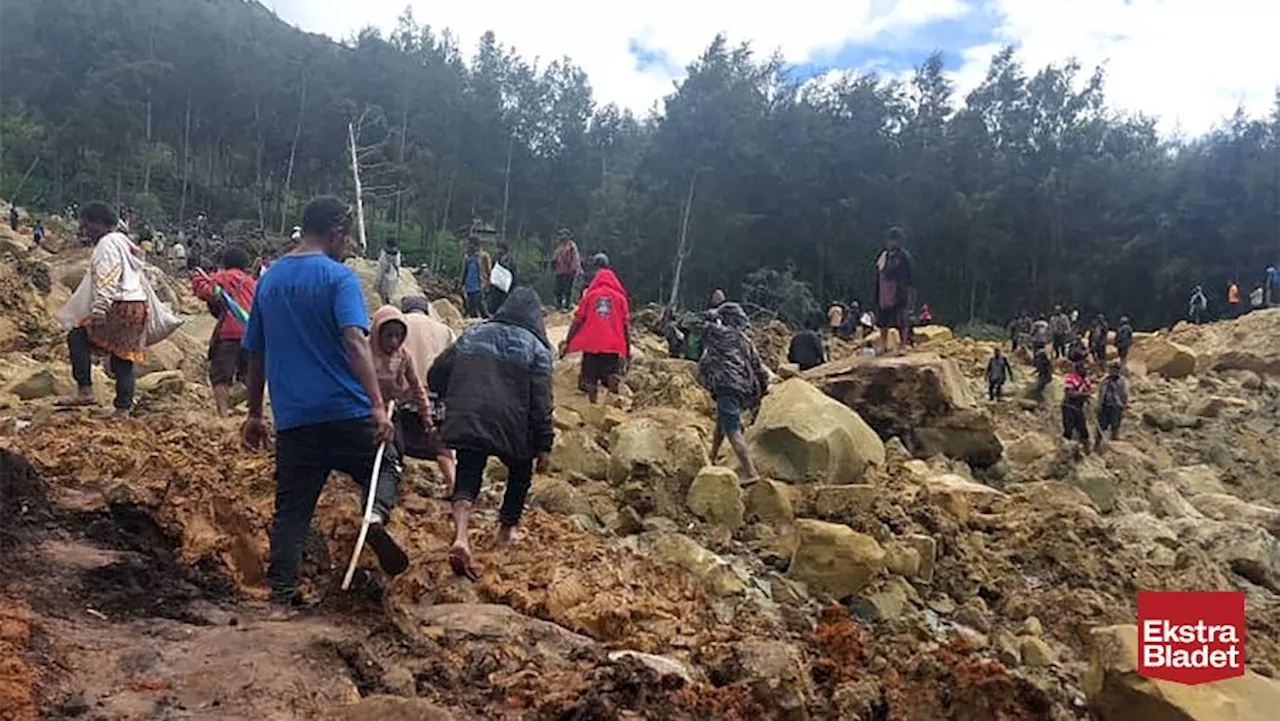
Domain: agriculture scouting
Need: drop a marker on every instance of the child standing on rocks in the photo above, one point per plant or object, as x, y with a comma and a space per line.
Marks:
1076, 392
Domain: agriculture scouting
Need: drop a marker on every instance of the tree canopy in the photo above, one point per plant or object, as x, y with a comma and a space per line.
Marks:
1028, 191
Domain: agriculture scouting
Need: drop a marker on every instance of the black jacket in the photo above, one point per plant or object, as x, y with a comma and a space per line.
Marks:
496, 382
807, 350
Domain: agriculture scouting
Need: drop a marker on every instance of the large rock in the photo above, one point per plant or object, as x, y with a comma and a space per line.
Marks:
770, 502
1245, 548
1194, 480
1163, 356
576, 451
843, 502
961, 497
713, 572
931, 333
660, 456
1092, 477
1030, 448
40, 384
1117, 693
833, 559
921, 398
163, 356
1226, 507
716, 497
446, 312
367, 270
802, 435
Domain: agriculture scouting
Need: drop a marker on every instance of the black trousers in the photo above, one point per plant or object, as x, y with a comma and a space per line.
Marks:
993, 388
564, 291
1059, 345
81, 349
496, 299
1109, 419
1074, 425
475, 305
471, 475
304, 458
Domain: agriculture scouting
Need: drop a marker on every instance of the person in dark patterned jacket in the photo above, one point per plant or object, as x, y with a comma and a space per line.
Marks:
732, 371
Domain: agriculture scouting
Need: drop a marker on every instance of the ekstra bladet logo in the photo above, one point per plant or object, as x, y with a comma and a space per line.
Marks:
1190, 637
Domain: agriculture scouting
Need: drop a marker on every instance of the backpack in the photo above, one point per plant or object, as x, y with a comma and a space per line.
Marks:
1111, 393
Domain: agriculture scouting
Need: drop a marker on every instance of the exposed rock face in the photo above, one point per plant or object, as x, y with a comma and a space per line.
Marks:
921, 398
664, 456
1163, 357
803, 435
1117, 693
576, 451
1030, 448
833, 559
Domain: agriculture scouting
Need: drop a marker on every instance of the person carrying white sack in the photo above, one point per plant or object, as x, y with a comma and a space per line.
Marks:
113, 312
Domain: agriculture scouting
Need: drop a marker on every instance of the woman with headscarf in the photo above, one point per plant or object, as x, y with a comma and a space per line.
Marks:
496, 382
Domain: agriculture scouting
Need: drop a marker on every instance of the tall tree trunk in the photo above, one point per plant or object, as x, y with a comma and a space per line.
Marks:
506, 186
444, 220
293, 150
257, 170
146, 157
186, 163
683, 248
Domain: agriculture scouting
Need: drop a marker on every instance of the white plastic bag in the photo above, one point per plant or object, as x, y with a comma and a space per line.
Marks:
80, 306
501, 278
161, 320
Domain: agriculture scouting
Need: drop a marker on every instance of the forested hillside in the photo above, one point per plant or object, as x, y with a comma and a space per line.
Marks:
1029, 190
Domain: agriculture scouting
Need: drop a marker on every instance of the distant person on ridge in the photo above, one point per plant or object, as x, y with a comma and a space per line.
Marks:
718, 298
426, 339
228, 362
13, 217
806, 349
1059, 329
388, 271
1233, 299
732, 371
1076, 392
1255, 298
926, 314
849, 328
116, 322
306, 339
1076, 350
496, 382
895, 272
1124, 339
1040, 335
568, 265
1198, 305
476, 268
37, 232
1113, 399
601, 331
835, 317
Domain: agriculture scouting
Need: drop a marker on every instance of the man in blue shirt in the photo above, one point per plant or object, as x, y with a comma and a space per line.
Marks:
306, 337
476, 267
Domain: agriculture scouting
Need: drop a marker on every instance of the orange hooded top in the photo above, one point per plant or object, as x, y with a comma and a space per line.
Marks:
398, 378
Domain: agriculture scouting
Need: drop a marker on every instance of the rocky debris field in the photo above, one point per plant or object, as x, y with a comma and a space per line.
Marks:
915, 554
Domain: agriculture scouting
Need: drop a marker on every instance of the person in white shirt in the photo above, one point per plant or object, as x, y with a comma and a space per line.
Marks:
388, 270
110, 314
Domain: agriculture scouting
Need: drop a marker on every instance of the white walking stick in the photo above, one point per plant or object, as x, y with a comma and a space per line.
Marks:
368, 508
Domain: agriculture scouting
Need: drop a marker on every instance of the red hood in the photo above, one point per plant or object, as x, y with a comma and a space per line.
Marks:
602, 316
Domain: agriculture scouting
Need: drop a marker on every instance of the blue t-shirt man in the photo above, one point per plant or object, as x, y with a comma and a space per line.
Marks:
471, 273
303, 306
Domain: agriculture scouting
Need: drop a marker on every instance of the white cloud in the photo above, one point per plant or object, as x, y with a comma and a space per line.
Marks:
1190, 62
598, 36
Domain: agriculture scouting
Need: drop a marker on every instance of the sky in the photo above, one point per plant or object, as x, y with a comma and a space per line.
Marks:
1190, 63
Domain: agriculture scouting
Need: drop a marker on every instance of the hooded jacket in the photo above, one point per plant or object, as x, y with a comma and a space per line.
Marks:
496, 382
235, 283
398, 376
602, 317
730, 361
427, 337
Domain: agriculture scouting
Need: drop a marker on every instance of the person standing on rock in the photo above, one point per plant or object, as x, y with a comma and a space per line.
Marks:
731, 369
1198, 305
895, 271
1044, 373
228, 361
306, 338
426, 339
13, 217
1124, 339
1059, 329
1040, 334
999, 371
388, 271
1076, 392
568, 266
807, 349
476, 268
1233, 299
835, 317
496, 382
1113, 399
114, 321
1098, 339
601, 331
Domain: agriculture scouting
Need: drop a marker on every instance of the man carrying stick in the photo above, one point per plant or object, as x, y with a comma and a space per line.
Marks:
306, 336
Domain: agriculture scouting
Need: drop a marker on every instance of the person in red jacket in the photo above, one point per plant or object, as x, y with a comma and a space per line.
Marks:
601, 331
227, 361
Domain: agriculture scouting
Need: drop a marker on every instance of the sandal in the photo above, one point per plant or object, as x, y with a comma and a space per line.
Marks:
74, 402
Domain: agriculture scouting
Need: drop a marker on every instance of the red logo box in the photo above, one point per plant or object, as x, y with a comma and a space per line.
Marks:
1190, 637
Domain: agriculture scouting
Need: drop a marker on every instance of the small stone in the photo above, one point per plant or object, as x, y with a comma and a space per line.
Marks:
1031, 626
927, 547
716, 496
1007, 649
975, 639
629, 522
883, 604
38, 385
902, 560
973, 618
942, 605
769, 502
1035, 652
